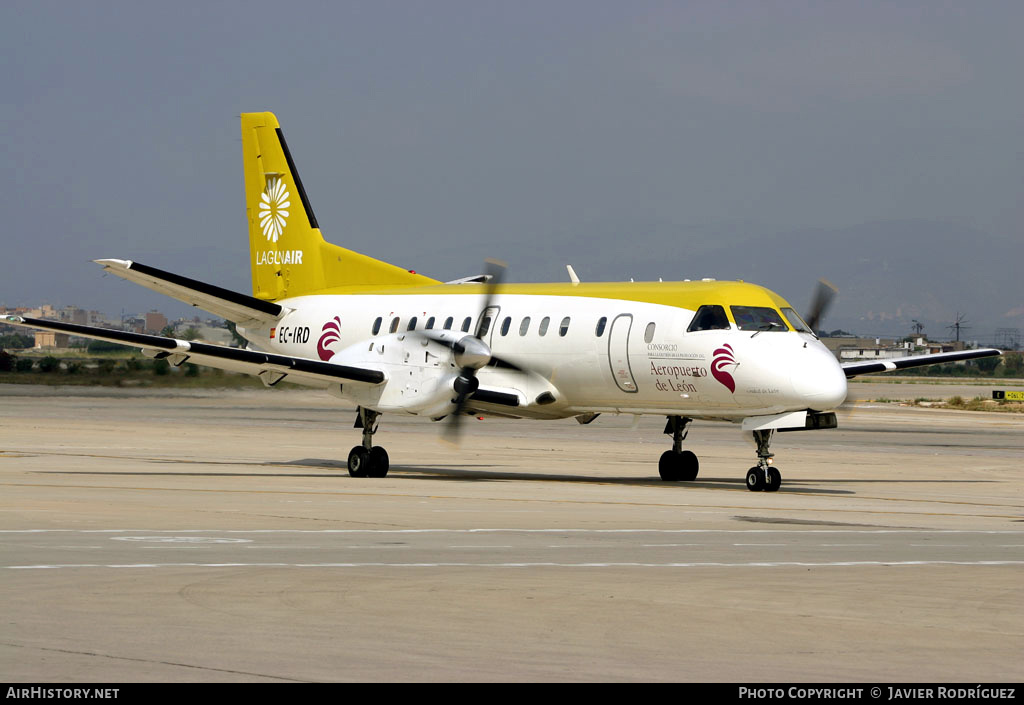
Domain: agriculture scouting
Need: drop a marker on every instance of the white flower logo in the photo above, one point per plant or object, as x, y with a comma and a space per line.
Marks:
274, 208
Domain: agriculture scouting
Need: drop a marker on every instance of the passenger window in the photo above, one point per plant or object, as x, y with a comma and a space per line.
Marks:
376, 325
757, 318
485, 325
448, 323
465, 324
524, 327
709, 318
430, 324
564, 327
505, 325
600, 326
394, 324
543, 330
412, 324
649, 332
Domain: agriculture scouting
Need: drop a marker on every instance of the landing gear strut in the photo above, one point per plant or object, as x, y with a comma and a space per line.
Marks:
368, 460
763, 476
678, 464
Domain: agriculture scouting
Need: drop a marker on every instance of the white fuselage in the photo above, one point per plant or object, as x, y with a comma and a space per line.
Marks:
640, 360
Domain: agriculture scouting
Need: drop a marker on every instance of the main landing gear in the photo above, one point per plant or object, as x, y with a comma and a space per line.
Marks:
763, 476
368, 460
678, 464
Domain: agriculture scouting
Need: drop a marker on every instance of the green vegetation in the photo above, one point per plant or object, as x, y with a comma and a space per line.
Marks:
126, 368
16, 341
238, 339
958, 403
983, 404
102, 346
49, 364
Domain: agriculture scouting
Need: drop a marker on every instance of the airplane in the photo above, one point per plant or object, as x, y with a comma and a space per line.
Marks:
393, 341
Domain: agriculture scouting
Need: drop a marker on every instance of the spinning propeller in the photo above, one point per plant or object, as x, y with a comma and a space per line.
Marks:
824, 294
471, 352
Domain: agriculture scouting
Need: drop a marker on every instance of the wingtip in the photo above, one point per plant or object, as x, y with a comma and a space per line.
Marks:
108, 263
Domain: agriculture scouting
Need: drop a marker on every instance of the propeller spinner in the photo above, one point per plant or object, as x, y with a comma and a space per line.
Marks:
471, 352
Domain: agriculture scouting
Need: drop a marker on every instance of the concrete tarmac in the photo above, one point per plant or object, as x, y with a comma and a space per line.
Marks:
216, 536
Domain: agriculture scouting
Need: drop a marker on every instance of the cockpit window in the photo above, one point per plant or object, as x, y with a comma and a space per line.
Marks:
794, 320
758, 318
709, 318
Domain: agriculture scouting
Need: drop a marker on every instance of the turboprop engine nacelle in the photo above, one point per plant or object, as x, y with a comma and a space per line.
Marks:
422, 374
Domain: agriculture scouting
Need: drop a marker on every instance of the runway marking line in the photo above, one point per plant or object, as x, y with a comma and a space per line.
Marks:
1012, 532
754, 564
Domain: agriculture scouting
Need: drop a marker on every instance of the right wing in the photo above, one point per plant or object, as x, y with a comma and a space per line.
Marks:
852, 369
270, 367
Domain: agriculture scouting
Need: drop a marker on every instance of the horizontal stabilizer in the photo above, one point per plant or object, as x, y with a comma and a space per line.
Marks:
246, 311
298, 369
852, 369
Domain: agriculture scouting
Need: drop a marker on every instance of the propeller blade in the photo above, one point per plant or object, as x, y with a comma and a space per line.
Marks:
823, 297
474, 351
494, 270
465, 385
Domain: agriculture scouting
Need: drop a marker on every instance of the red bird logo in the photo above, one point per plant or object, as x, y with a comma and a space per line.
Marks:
331, 334
724, 356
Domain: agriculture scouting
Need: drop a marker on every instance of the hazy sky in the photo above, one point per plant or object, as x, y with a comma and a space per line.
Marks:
434, 134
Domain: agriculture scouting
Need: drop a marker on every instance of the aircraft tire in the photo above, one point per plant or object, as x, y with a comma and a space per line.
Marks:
357, 461
774, 481
678, 466
689, 465
377, 462
668, 467
755, 479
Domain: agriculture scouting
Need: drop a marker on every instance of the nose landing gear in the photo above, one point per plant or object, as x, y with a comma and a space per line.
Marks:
763, 476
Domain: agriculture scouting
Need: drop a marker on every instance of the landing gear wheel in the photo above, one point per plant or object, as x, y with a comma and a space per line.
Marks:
668, 467
357, 461
377, 462
689, 465
774, 480
755, 479
678, 466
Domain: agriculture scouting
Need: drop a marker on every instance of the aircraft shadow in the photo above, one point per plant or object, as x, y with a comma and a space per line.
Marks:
335, 469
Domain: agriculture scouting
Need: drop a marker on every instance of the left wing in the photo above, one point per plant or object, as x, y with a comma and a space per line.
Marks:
246, 311
852, 369
270, 367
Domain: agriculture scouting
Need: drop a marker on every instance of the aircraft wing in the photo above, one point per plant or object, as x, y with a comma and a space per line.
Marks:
271, 367
852, 369
246, 311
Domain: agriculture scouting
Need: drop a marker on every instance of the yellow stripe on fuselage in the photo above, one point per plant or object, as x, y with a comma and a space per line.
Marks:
688, 295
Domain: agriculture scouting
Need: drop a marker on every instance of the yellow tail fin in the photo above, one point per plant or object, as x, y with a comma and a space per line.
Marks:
289, 255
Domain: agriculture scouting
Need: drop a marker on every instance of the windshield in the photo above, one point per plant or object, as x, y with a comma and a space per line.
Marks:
794, 320
709, 317
757, 318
